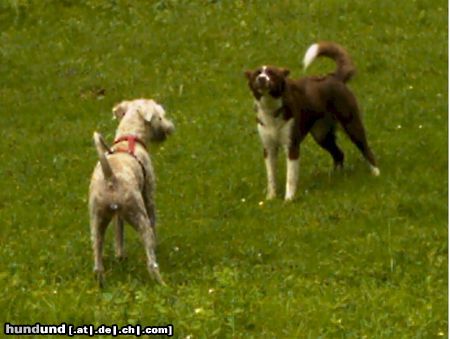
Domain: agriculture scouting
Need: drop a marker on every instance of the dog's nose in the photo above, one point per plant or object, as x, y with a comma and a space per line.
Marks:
262, 79
170, 127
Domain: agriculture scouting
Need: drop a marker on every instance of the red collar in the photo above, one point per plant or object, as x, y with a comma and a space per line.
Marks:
132, 140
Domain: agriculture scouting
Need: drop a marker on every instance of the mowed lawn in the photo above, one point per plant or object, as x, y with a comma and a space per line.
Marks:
353, 256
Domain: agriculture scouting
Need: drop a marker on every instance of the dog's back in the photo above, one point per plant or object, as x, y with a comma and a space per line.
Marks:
319, 95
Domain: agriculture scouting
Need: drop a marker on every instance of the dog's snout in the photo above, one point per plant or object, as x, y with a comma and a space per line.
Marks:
162, 130
263, 79
170, 128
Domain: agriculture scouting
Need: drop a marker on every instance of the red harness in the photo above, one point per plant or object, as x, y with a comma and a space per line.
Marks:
132, 140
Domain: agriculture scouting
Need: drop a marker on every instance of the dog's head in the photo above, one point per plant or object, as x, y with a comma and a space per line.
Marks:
143, 115
267, 80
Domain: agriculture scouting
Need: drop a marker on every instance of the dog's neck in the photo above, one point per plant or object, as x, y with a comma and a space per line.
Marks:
128, 127
269, 105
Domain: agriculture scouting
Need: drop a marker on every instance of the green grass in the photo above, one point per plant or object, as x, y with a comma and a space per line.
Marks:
354, 256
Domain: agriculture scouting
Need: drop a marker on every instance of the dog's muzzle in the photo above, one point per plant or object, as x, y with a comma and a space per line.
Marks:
160, 134
263, 80
262, 83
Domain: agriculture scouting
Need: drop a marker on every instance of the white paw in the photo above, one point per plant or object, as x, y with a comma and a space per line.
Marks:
289, 197
271, 195
375, 171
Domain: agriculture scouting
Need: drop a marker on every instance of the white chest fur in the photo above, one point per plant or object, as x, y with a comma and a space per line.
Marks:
273, 129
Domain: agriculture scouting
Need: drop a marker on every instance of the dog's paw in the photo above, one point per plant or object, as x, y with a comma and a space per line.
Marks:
271, 195
99, 276
289, 198
153, 269
338, 166
121, 257
375, 171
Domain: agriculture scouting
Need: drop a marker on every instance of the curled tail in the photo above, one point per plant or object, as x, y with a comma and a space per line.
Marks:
102, 149
344, 70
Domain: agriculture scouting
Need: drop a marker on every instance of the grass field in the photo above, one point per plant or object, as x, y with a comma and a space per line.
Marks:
352, 257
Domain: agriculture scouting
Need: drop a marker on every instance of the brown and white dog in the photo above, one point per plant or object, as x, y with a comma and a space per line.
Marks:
287, 110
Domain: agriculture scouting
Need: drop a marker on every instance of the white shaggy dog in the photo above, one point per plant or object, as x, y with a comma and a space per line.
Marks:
123, 184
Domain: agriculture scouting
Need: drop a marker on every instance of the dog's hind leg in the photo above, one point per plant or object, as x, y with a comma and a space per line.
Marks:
345, 109
323, 133
355, 130
149, 240
98, 228
118, 240
150, 203
139, 219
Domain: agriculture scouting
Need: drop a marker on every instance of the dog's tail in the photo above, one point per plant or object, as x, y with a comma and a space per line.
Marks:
102, 149
344, 70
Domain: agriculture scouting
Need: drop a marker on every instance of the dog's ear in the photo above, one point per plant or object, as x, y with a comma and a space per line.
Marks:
285, 72
146, 114
159, 110
119, 110
248, 74
150, 109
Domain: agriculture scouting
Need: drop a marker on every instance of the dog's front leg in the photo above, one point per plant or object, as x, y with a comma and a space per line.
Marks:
299, 129
270, 159
292, 172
